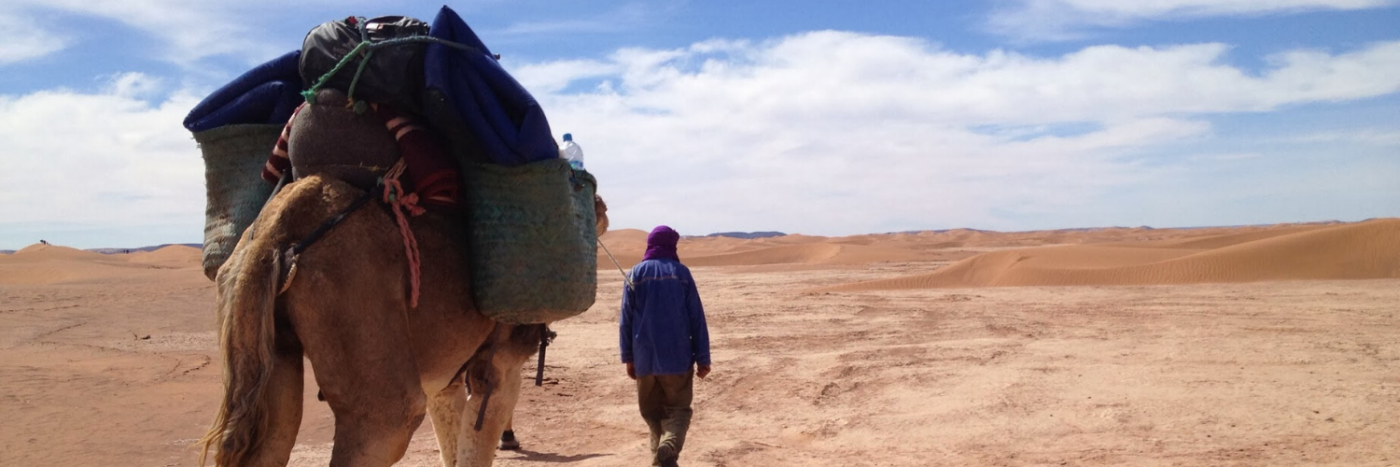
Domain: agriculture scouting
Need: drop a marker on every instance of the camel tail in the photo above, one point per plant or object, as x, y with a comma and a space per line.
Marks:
247, 341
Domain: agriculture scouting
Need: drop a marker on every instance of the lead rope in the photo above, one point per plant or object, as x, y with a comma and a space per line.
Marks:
396, 198
615, 263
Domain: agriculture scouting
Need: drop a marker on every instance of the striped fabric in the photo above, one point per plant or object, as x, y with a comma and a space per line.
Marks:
279, 162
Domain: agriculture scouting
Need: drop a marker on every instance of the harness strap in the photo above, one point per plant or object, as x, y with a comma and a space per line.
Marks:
490, 382
393, 195
326, 226
294, 252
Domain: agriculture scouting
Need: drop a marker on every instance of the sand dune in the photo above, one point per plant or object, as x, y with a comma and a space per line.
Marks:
628, 248
1214, 239
627, 245
1367, 250
625, 236
813, 253
40, 252
1113, 255
787, 254
52, 264
172, 255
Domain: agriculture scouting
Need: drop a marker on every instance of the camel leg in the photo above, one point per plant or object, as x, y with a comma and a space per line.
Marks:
478, 448
359, 349
446, 408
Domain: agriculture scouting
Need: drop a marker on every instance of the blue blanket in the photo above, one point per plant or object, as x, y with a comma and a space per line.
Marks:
266, 94
503, 118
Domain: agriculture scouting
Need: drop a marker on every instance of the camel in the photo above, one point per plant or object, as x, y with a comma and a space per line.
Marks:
381, 365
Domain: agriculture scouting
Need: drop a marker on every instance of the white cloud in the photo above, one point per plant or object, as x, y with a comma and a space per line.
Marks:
132, 85
833, 73
1065, 19
1370, 137
555, 76
832, 132
103, 160
25, 41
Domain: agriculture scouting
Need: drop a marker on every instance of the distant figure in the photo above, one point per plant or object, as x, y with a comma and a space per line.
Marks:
572, 151
664, 338
43, 242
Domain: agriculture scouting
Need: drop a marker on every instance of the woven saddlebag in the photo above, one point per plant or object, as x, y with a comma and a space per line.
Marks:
533, 240
234, 156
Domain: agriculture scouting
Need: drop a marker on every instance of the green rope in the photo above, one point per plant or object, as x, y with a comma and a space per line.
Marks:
355, 81
367, 48
310, 93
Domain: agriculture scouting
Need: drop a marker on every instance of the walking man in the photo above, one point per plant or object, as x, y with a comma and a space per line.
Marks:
664, 339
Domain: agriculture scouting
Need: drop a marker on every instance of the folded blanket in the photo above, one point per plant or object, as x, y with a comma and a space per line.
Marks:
266, 94
468, 89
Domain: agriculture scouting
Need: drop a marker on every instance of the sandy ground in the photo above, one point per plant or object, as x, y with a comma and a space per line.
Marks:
109, 359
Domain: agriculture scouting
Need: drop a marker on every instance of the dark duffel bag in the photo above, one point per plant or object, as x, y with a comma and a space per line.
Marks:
393, 75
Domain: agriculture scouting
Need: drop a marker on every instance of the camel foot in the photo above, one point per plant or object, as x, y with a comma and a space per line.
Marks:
508, 441
666, 455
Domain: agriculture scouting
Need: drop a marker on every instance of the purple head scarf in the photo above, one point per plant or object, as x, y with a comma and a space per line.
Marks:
661, 243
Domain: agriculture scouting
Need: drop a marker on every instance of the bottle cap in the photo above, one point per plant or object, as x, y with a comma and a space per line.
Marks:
568, 137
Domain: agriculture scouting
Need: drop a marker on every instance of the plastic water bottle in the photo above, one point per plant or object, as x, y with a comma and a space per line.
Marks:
571, 151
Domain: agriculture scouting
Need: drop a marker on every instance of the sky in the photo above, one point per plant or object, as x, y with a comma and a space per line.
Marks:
817, 117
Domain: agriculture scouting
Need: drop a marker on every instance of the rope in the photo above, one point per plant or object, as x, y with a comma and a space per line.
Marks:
615, 263
350, 93
395, 197
310, 93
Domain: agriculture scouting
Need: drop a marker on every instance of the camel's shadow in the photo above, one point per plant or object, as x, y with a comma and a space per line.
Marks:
533, 456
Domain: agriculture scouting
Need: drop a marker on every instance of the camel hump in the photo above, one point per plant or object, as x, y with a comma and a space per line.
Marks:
328, 138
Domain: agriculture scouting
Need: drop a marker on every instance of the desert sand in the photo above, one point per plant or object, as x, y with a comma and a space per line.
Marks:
1261, 345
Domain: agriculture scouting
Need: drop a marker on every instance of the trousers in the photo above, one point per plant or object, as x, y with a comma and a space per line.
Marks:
665, 404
